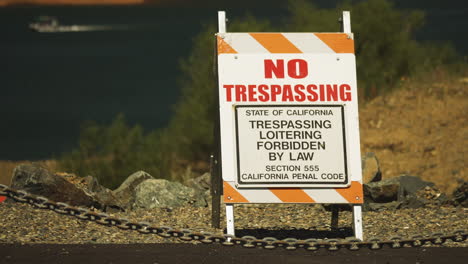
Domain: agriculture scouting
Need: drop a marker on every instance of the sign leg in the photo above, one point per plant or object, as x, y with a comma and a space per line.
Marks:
357, 219
215, 194
334, 218
230, 219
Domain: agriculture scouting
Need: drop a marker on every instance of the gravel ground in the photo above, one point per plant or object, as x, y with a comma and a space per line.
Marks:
22, 223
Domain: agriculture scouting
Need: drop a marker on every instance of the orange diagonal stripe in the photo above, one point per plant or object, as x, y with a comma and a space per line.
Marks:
223, 47
231, 195
353, 191
275, 42
338, 42
294, 195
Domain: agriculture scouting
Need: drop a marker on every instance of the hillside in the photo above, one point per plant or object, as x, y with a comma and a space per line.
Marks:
420, 129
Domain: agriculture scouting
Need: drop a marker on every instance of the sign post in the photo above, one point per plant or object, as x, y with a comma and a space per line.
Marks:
288, 111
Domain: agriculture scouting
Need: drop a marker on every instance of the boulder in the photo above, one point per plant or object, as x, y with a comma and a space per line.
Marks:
160, 193
425, 197
39, 181
382, 191
126, 191
409, 185
408, 191
201, 183
460, 195
382, 206
103, 196
370, 168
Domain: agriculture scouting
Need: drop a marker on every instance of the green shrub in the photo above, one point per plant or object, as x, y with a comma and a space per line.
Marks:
113, 152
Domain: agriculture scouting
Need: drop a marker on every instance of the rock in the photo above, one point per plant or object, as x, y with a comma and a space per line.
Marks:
382, 191
37, 180
103, 196
416, 193
409, 191
370, 168
160, 193
425, 197
460, 195
382, 206
409, 185
92, 184
201, 183
126, 191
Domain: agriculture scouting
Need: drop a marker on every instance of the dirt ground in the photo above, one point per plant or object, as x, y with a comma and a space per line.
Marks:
421, 130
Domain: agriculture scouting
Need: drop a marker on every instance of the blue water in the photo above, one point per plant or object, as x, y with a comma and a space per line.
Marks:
51, 83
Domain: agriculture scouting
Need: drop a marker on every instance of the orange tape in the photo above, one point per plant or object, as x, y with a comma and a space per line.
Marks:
231, 195
340, 43
292, 195
275, 42
223, 47
353, 194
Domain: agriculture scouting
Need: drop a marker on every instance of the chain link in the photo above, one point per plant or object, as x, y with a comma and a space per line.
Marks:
186, 235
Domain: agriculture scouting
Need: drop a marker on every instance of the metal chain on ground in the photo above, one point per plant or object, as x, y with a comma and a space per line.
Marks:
310, 244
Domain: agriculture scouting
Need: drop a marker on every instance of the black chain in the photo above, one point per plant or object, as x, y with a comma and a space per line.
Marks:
310, 244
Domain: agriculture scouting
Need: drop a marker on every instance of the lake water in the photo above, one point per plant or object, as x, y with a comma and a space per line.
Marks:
50, 83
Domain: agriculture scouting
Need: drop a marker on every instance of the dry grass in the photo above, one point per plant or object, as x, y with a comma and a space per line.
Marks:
7, 167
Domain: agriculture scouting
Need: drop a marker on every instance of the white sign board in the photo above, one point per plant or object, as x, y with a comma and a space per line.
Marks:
288, 110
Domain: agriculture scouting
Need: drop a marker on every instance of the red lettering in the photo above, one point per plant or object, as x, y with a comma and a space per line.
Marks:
332, 92
287, 94
297, 69
252, 93
240, 93
271, 68
275, 90
312, 94
264, 96
228, 92
322, 92
300, 96
345, 95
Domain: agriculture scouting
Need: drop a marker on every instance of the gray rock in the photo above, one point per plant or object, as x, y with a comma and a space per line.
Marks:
201, 183
103, 196
160, 193
409, 185
382, 206
382, 191
460, 195
92, 184
126, 191
371, 168
416, 193
408, 191
39, 181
